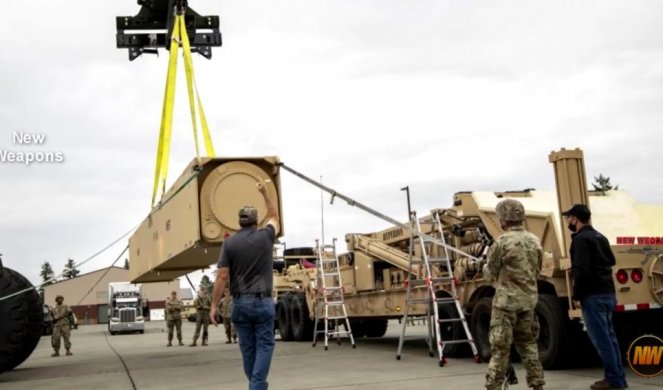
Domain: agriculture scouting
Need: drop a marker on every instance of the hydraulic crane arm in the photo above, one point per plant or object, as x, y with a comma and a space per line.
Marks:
373, 212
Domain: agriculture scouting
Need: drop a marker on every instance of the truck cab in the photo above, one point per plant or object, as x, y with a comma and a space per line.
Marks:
125, 308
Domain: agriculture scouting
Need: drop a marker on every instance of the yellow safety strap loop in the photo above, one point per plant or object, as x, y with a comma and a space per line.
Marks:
203, 124
191, 86
179, 36
163, 146
188, 70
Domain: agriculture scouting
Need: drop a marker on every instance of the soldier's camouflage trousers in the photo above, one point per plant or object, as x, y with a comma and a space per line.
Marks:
230, 329
174, 324
520, 329
202, 319
60, 331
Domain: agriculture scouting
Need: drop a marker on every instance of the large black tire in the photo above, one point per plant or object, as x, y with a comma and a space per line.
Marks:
553, 340
283, 317
480, 326
452, 331
375, 328
300, 322
22, 321
358, 329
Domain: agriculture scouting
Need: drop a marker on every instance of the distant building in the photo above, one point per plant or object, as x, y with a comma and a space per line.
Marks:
186, 296
87, 294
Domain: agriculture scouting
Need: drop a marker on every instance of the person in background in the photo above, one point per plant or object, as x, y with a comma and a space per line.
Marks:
514, 263
174, 318
226, 313
62, 323
594, 292
203, 305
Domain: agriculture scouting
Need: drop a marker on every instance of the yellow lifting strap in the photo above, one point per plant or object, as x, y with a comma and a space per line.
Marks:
178, 37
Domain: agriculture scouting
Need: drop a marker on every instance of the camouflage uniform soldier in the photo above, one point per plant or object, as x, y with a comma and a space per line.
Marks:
174, 318
203, 305
226, 313
62, 318
515, 261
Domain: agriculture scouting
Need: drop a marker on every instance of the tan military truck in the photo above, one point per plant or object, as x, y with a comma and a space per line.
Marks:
375, 267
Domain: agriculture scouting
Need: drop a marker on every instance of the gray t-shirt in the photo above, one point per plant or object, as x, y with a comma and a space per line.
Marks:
248, 255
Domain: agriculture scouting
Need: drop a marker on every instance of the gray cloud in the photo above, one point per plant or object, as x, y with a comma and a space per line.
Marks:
439, 95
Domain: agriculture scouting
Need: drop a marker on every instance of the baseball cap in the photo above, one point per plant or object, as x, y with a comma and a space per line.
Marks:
248, 214
579, 210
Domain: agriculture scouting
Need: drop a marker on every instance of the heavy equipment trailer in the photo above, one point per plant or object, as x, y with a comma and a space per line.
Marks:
376, 265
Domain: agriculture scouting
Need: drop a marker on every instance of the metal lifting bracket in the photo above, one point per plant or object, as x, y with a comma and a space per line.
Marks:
152, 27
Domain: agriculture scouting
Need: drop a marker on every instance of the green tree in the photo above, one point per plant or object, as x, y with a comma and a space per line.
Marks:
602, 184
47, 275
70, 270
207, 285
126, 263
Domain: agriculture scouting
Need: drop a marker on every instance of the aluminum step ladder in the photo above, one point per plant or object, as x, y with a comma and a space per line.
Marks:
329, 304
433, 271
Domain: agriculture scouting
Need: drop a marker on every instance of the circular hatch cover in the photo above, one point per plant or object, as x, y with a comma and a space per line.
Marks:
228, 188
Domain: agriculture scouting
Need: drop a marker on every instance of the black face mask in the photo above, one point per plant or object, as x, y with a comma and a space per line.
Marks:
572, 227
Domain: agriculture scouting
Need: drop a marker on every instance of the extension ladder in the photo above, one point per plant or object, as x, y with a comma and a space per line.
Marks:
429, 275
329, 305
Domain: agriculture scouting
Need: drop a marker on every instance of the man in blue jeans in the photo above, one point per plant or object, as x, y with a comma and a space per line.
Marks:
594, 291
246, 259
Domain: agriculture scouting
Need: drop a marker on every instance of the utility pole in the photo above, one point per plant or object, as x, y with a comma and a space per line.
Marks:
322, 213
409, 206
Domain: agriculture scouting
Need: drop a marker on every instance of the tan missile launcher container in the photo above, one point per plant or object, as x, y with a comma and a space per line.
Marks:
375, 267
185, 231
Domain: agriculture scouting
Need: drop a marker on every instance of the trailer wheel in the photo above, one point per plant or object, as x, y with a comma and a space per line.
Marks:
358, 329
375, 328
283, 318
452, 331
552, 333
301, 324
480, 326
22, 321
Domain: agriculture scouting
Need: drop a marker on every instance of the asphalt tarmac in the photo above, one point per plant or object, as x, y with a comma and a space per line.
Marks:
142, 361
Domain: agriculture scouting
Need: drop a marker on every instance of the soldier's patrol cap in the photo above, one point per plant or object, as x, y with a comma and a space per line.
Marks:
59, 297
248, 214
510, 210
580, 211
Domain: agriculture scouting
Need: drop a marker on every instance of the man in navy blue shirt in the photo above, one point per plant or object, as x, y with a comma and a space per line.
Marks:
246, 260
594, 291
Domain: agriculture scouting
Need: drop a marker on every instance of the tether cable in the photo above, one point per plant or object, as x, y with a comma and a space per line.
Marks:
55, 278
126, 368
102, 276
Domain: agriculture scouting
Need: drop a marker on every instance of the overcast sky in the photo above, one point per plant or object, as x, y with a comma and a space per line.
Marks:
439, 95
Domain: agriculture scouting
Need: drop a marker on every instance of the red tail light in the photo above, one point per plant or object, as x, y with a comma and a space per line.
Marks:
622, 276
636, 275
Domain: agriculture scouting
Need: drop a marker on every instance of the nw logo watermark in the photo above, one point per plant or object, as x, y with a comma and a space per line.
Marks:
645, 356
